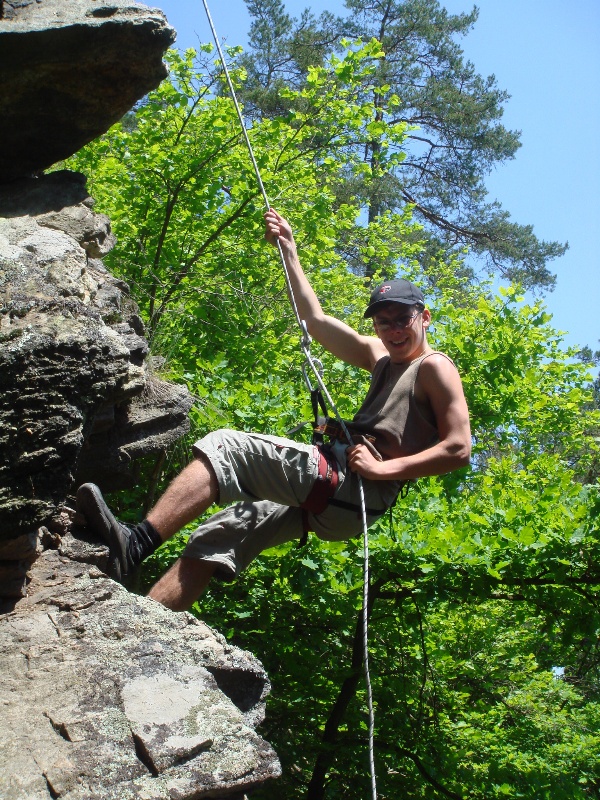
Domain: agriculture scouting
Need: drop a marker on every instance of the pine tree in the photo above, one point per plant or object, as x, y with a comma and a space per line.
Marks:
422, 80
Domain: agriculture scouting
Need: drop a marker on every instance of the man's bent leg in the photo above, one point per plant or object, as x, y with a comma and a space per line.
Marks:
191, 493
186, 497
183, 583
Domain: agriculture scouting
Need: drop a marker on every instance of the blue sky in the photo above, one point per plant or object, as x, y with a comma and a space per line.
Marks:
546, 54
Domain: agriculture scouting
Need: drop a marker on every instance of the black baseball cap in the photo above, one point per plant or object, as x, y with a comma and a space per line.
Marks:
398, 291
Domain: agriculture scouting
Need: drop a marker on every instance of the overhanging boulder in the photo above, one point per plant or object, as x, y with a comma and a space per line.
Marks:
71, 69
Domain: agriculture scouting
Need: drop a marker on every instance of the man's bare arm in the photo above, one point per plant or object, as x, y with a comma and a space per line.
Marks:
335, 336
440, 382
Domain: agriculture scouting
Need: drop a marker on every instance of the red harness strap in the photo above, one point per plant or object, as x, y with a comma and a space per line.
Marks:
323, 488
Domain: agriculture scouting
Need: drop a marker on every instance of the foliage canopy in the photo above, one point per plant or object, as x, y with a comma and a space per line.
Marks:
485, 581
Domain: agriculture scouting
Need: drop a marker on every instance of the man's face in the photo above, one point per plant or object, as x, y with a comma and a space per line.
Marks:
402, 329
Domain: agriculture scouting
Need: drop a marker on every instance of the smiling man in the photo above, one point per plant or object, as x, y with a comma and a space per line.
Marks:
412, 423
415, 409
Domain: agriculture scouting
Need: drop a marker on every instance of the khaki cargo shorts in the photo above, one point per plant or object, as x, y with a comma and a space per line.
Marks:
267, 478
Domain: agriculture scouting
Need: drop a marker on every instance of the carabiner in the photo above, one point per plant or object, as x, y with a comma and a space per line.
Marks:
315, 364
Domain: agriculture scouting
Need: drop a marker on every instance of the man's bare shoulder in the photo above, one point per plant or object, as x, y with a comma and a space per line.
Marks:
346, 343
437, 372
377, 351
435, 362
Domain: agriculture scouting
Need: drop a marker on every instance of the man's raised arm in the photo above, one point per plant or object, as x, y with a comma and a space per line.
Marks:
335, 336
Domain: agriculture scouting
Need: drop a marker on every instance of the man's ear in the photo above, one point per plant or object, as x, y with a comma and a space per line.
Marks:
426, 318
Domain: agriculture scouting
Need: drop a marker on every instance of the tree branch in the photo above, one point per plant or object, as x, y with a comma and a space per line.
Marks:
423, 770
316, 786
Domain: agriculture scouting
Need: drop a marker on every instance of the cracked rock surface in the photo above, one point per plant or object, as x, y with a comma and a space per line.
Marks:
104, 695
78, 398
109, 695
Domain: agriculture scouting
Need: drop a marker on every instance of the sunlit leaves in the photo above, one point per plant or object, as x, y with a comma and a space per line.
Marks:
482, 580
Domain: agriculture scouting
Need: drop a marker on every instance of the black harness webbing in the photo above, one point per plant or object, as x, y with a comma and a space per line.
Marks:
371, 512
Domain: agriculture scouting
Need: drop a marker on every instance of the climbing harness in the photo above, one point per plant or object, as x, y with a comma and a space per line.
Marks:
319, 394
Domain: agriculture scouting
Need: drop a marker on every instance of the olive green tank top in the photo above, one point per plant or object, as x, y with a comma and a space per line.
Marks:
390, 413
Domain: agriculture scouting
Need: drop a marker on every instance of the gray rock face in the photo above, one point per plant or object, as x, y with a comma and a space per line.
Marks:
71, 69
109, 696
78, 400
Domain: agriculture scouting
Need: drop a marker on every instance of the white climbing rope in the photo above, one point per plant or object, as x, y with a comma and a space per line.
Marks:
315, 365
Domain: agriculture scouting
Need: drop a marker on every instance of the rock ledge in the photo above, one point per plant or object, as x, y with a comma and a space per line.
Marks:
110, 696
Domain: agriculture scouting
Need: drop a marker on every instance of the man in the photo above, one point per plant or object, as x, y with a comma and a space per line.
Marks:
413, 423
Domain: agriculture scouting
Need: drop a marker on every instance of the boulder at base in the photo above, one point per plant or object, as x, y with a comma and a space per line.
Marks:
109, 696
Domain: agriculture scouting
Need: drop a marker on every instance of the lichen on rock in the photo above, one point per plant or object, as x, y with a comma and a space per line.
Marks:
104, 695
123, 695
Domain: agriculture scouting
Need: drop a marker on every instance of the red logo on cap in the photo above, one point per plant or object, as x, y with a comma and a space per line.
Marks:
384, 289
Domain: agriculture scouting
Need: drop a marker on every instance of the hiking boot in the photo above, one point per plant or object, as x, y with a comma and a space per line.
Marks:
100, 520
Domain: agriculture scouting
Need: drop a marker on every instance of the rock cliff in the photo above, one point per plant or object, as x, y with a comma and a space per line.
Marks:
103, 694
78, 400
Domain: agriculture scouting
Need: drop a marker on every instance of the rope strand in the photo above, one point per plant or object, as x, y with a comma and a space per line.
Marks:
305, 346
